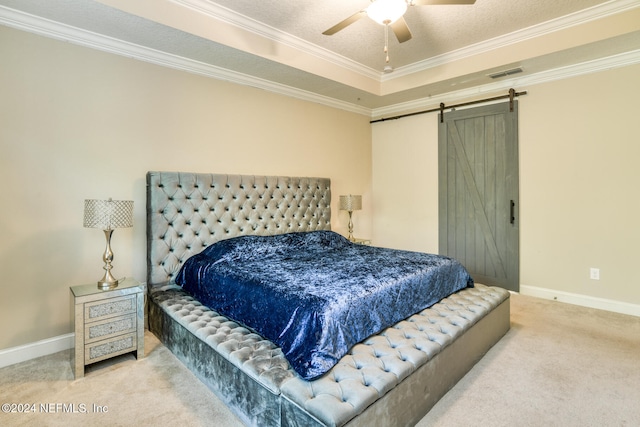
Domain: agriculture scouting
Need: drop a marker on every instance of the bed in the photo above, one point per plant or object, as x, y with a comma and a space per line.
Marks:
392, 377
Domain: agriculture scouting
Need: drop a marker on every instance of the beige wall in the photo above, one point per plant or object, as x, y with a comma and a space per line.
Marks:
79, 123
405, 182
579, 179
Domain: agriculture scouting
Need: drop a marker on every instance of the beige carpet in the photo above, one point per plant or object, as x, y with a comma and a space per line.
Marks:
560, 365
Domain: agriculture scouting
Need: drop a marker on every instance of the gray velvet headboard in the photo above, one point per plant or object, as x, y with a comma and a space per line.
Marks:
188, 211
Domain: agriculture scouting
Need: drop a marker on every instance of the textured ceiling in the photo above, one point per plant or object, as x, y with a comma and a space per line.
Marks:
279, 44
436, 29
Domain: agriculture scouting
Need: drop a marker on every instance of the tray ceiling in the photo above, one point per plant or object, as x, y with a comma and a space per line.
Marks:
278, 45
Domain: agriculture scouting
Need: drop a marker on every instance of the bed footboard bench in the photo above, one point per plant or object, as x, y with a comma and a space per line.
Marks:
392, 378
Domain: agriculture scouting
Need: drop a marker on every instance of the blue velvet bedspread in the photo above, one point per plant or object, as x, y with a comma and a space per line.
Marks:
316, 294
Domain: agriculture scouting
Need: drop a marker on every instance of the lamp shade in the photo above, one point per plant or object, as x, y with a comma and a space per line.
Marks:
350, 203
386, 12
108, 214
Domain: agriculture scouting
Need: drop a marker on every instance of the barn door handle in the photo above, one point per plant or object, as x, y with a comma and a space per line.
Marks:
512, 212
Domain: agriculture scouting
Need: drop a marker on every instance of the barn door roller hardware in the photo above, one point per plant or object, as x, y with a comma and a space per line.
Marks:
511, 96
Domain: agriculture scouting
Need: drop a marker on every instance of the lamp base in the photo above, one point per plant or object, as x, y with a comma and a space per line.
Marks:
108, 282
107, 285
350, 228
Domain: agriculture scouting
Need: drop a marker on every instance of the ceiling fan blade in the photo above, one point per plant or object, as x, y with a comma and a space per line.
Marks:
343, 24
437, 2
401, 30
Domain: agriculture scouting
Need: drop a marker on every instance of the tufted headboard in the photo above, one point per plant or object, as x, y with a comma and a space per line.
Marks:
188, 211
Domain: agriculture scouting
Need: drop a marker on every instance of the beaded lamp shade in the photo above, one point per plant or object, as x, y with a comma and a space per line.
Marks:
350, 203
108, 214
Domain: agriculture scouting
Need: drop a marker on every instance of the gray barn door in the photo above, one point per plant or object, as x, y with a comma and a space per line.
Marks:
478, 192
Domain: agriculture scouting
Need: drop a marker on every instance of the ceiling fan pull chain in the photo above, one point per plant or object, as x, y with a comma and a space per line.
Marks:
386, 41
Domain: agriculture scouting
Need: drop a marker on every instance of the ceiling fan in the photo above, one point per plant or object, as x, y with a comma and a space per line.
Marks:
390, 13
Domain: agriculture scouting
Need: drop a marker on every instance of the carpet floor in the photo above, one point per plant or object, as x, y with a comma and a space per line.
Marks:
559, 365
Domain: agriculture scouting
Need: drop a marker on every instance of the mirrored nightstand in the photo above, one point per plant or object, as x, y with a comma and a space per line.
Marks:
107, 323
361, 241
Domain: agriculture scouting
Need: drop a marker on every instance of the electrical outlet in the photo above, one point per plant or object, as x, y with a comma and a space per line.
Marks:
595, 273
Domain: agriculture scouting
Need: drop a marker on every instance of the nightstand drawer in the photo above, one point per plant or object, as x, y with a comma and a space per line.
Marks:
109, 328
109, 348
105, 309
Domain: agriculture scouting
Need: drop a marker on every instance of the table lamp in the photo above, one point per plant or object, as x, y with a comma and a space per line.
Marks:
107, 215
350, 203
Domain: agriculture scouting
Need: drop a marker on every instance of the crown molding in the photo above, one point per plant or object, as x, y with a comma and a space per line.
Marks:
51, 29
581, 17
231, 17
594, 13
44, 27
519, 82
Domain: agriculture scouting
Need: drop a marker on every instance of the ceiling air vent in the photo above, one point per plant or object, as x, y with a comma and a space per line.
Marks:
505, 73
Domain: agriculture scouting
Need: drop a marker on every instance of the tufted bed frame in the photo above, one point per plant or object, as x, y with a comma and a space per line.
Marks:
393, 378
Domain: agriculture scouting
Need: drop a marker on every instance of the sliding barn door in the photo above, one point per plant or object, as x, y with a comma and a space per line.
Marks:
478, 192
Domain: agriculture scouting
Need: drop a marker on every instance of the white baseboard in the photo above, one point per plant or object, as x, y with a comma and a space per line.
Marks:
582, 300
30, 351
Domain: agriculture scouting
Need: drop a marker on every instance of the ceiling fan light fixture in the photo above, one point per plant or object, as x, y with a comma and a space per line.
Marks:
386, 12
